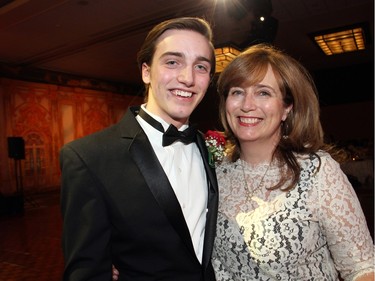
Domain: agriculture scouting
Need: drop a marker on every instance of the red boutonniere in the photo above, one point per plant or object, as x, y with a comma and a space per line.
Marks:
215, 142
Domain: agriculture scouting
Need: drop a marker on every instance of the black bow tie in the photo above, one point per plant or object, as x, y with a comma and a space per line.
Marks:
172, 134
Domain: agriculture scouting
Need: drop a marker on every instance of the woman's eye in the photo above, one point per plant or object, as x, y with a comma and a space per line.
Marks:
264, 93
236, 92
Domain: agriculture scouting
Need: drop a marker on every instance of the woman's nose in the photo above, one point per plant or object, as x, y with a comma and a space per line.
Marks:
248, 103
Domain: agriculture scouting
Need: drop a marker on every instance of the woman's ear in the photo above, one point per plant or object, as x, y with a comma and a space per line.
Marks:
146, 73
286, 112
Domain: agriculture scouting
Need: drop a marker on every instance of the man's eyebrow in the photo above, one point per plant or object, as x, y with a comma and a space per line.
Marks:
176, 54
204, 59
181, 55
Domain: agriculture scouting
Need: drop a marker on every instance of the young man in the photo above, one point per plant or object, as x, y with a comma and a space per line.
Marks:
134, 196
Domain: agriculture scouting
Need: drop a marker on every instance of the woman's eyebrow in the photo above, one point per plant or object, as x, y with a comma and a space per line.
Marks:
265, 86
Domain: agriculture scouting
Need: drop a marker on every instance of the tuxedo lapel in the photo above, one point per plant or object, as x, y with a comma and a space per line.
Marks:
209, 170
156, 179
212, 206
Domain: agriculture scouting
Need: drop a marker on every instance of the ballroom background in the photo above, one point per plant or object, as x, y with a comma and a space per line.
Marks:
67, 69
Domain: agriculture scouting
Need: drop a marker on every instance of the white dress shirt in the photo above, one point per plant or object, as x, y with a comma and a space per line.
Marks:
184, 168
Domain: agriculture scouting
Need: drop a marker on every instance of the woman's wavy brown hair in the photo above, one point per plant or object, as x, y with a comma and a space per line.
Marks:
302, 126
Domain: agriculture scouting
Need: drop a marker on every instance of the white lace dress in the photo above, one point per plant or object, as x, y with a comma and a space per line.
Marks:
308, 233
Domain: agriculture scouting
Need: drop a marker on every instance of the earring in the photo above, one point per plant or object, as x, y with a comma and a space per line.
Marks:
285, 128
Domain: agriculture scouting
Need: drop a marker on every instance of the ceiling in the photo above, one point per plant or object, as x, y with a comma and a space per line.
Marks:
99, 39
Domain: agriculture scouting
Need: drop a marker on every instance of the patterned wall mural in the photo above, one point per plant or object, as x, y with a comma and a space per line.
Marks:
46, 117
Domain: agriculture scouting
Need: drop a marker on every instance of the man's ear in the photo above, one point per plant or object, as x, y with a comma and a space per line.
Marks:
146, 73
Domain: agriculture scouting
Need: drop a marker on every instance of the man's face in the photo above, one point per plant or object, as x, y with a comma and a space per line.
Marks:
178, 76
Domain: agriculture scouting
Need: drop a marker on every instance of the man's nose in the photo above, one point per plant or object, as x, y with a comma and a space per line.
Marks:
186, 76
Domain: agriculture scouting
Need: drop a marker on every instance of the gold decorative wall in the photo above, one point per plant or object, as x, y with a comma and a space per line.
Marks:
46, 117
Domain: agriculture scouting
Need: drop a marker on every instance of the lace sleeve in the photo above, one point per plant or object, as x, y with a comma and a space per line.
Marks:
343, 222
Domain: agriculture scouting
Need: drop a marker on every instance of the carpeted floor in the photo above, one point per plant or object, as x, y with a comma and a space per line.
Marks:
30, 241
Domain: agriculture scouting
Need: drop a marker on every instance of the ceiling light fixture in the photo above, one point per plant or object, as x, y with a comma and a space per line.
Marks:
224, 55
343, 40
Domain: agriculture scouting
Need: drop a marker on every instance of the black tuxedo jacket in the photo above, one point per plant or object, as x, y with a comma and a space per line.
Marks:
119, 208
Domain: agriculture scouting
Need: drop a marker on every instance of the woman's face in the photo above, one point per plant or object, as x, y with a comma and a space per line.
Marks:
255, 113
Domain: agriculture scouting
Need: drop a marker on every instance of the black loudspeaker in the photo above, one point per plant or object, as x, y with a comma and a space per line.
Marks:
16, 148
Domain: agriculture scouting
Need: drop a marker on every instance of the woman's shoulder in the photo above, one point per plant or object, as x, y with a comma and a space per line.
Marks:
326, 160
319, 156
318, 163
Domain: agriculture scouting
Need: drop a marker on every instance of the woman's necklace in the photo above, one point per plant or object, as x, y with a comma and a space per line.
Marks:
250, 193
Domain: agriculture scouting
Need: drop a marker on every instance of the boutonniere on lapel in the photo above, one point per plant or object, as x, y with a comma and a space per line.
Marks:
215, 142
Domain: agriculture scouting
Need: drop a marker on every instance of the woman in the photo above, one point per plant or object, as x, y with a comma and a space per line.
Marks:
286, 210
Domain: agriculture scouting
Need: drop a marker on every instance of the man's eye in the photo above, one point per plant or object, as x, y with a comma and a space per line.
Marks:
202, 67
171, 62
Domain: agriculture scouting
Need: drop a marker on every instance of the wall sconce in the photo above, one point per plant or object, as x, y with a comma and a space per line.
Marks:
224, 55
342, 40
